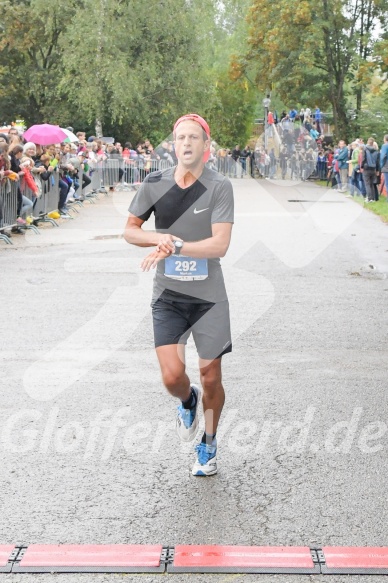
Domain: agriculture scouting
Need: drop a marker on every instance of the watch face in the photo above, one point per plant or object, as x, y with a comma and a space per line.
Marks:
179, 244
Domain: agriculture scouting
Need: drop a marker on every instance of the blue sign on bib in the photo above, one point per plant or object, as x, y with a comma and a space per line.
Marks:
185, 268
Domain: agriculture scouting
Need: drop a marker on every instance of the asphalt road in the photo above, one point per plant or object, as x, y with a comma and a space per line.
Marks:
88, 446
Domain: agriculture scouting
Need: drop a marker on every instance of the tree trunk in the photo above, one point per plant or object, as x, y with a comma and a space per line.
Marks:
340, 117
98, 127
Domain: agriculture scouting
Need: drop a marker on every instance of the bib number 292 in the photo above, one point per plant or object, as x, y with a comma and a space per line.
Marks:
186, 265
185, 268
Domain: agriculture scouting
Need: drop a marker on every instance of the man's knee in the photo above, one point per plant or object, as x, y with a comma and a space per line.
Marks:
211, 379
173, 379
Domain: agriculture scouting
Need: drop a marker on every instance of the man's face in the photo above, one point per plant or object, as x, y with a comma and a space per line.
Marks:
189, 143
341, 144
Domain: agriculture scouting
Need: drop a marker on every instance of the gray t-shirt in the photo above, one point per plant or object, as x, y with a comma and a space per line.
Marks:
188, 214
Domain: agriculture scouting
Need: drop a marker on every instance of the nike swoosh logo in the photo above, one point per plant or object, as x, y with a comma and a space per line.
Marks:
200, 211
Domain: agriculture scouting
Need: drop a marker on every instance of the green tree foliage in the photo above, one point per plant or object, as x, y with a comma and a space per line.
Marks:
138, 68
131, 66
311, 50
31, 57
232, 110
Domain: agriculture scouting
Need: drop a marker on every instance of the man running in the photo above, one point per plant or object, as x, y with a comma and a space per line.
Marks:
193, 208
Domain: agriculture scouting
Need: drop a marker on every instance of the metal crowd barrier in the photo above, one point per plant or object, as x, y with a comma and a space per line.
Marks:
95, 185
233, 168
8, 207
117, 172
47, 202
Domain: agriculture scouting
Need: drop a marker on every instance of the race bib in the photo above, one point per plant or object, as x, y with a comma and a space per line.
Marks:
185, 268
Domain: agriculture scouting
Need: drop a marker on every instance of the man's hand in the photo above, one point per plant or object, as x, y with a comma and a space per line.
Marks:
153, 259
166, 244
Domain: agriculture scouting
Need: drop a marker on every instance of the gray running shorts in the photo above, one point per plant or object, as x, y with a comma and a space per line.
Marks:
208, 322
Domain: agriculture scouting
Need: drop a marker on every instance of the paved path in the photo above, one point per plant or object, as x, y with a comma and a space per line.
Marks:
88, 444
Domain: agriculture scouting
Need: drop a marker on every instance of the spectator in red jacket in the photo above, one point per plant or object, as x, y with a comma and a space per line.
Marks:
270, 122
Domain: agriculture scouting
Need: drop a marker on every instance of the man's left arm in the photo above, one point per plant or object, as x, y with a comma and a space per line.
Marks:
213, 247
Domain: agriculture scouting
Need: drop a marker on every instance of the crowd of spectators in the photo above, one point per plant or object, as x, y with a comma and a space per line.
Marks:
32, 165
294, 147
360, 168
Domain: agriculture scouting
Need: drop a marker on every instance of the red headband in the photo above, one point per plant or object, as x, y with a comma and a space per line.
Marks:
202, 123
194, 117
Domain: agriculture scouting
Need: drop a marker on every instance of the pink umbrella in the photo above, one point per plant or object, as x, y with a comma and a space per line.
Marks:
44, 134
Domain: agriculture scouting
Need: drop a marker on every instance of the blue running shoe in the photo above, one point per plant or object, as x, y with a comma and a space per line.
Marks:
187, 419
206, 463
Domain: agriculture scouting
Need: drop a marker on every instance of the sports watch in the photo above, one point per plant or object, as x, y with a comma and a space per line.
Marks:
178, 247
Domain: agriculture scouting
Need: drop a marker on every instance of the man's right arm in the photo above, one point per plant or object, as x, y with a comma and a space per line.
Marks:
135, 235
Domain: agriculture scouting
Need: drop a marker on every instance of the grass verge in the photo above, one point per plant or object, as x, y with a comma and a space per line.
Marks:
379, 208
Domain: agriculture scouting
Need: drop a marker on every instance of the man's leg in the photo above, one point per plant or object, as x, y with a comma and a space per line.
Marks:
85, 182
213, 402
172, 364
344, 179
361, 184
63, 192
368, 181
173, 368
352, 182
213, 397
212, 337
